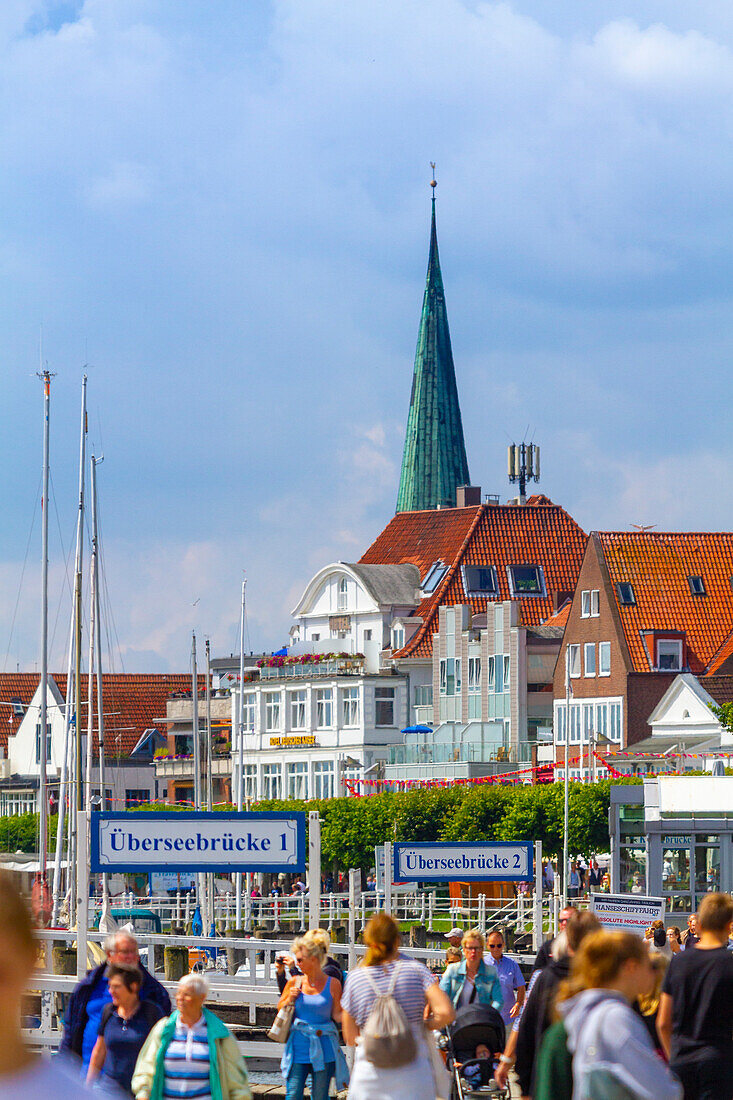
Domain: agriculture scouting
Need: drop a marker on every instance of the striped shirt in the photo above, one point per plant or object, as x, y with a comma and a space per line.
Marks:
187, 1063
411, 983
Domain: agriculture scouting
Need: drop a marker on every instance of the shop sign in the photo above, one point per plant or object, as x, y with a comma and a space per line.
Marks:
434, 862
307, 741
627, 912
228, 842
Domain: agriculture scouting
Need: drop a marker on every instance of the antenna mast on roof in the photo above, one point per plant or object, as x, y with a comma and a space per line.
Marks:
524, 465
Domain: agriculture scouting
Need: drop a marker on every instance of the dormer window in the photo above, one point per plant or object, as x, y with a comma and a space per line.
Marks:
669, 654
343, 595
626, 594
398, 636
17, 705
697, 586
433, 577
526, 580
480, 580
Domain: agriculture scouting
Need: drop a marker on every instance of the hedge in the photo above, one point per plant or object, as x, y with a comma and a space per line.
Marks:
351, 827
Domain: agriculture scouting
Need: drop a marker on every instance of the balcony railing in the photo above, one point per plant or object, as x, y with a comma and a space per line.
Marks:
340, 666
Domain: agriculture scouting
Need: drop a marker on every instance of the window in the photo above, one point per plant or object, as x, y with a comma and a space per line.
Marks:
499, 674
384, 706
491, 672
315, 637
350, 706
572, 657
271, 781
249, 792
669, 654
626, 594
615, 716
561, 724
433, 577
424, 695
587, 721
697, 586
38, 743
324, 708
272, 711
458, 675
443, 676
342, 601
135, 797
324, 779
249, 705
589, 605
589, 659
367, 635
575, 722
298, 781
602, 719
604, 658
398, 636
506, 673
526, 580
297, 710
480, 580
474, 674
17, 705
450, 676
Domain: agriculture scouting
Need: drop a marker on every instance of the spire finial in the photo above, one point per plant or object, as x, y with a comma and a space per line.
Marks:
433, 182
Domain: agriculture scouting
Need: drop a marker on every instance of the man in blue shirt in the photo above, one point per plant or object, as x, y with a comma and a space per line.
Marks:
84, 1013
511, 980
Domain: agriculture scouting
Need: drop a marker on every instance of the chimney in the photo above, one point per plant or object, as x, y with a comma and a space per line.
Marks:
467, 496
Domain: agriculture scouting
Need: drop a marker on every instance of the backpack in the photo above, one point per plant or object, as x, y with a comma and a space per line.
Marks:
387, 1038
151, 1014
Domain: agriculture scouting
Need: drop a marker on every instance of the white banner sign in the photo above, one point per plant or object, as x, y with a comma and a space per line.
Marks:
627, 912
497, 862
197, 842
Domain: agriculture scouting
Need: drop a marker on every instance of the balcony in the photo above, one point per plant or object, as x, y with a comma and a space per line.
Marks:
338, 666
181, 767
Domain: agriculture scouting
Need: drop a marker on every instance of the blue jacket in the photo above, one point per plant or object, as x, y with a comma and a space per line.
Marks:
76, 1012
486, 983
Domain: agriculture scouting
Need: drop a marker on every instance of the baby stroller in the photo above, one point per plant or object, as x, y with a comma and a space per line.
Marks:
475, 1026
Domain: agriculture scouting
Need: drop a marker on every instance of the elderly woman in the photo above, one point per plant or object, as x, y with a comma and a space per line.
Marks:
472, 979
124, 1026
313, 1047
191, 1053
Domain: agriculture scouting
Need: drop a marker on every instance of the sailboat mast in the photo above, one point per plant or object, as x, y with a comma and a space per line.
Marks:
96, 605
43, 781
70, 708
240, 725
209, 748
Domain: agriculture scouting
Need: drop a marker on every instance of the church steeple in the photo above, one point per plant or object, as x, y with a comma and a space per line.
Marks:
434, 461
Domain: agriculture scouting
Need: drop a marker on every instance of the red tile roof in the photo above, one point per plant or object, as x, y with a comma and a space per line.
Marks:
500, 535
720, 687
132, 704
658, 565
560, 618
723, 655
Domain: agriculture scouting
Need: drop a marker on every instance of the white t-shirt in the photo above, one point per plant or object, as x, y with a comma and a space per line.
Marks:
43, 1079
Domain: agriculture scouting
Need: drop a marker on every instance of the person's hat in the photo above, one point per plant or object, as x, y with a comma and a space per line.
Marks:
454, 932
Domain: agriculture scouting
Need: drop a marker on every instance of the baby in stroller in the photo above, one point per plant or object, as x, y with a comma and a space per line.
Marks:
476, 1039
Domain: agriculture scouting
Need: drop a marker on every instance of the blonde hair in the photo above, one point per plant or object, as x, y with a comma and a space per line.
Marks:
382, 937
474, 935
321, 936
599, 959
649, 1003
311, 944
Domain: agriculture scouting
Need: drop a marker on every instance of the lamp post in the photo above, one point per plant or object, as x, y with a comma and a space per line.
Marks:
565, 854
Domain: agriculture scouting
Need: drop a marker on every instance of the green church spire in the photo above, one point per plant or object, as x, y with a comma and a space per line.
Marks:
434, 460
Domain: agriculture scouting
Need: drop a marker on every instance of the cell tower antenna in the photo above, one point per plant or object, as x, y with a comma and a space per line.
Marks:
523, 465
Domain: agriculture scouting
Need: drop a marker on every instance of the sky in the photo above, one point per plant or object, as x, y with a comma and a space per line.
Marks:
220, 212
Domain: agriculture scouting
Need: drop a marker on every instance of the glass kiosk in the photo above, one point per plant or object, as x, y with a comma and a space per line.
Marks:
672, 837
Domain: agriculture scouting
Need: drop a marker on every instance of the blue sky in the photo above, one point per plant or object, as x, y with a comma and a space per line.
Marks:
223, 209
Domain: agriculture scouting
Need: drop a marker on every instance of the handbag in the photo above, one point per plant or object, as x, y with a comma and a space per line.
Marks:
283, 1022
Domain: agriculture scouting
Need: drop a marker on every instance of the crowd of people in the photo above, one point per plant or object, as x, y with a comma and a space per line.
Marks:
605, 1014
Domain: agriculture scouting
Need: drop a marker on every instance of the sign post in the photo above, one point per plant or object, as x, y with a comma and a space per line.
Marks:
82, 891
354, 898
388, 877
537, 929
314, 870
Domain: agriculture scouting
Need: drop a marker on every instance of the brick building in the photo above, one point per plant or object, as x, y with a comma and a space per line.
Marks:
648, 605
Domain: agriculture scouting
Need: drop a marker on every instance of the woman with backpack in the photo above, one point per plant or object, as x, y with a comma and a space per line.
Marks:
384, 1016
123, 1028
312, 1047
